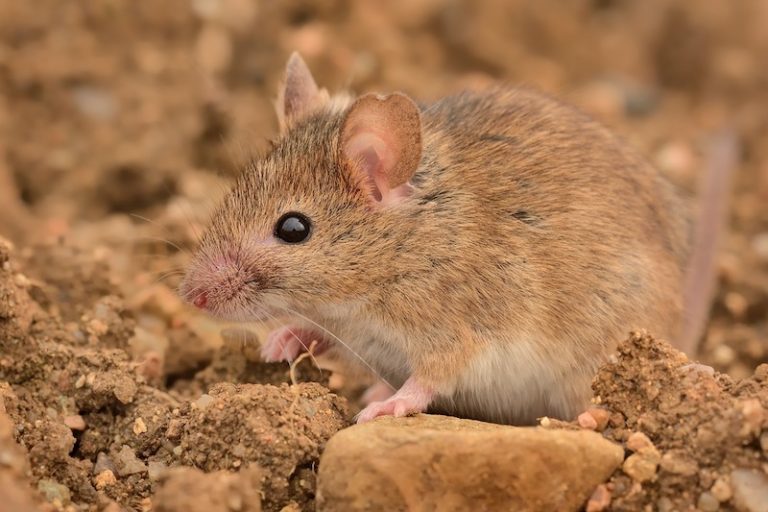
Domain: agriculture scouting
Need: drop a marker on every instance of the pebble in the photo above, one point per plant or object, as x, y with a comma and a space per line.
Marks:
139, 427
707, 503
640, 467
721, 490
156, 469
678, 464
75, 422
638, 442
600, 499
104, 479
204, 401
753, 417
750, 490
127, 463
54, 492
103, 463
601, 416
587, 421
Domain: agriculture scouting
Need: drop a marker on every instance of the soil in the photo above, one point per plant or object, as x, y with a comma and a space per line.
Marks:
121, 123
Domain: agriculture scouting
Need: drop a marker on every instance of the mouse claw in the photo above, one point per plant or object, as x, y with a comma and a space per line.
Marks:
410, 399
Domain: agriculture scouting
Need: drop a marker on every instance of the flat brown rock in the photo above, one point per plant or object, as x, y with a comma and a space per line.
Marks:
439, 463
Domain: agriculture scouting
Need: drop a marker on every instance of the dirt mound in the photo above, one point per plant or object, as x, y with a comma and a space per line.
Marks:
693, 433
95, 428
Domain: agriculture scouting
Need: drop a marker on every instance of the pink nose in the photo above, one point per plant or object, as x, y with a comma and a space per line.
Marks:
201, 300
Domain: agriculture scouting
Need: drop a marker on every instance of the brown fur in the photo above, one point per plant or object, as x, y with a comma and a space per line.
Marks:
530, 231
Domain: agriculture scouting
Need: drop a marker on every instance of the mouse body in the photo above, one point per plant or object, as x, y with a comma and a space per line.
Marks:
482, 254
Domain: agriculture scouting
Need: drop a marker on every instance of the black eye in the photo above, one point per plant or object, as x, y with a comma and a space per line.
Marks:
293, 228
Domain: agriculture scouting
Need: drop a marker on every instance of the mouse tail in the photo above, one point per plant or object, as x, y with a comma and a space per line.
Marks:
708, 230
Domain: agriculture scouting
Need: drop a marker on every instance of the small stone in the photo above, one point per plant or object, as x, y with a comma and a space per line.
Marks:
21, 281
54, 492
665, 505
127, 463
601, 416
174, 429
98, 327
203, 402
754, 416
707, 503
75, 422
600, 499
125, 390
104, 479
587, 421
640, 467
80, 382
750, 490
139, 427
679, 464
156, 468
638, 442
721, 490
103, 463
764, 442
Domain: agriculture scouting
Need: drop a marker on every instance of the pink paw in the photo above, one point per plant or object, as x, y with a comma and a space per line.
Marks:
377, 393
409, 399
286, 343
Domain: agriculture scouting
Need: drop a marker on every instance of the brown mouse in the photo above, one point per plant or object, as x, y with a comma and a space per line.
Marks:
482, 254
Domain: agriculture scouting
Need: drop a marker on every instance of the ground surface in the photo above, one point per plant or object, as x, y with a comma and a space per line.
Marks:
122, 122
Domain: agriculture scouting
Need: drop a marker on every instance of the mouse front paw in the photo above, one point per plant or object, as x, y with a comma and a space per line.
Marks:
410, 399
286, 343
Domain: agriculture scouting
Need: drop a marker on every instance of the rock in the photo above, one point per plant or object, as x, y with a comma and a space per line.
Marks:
601, 417
587, 421
641, 466
75, 422
600, 499
750, 490
54, 492
676, 462
708, 503
392, 463
127, 463
721, 490
638, 442
186, 489
104, 479
103, 463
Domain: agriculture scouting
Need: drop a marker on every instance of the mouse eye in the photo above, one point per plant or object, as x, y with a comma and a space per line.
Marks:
293, 228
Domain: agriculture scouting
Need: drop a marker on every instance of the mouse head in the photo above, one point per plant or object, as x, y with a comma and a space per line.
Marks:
318, 221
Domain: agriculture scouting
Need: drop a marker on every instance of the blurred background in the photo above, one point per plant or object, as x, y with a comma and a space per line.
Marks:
121, 122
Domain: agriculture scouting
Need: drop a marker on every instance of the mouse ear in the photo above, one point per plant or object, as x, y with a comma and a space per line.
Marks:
381, 137
298, 94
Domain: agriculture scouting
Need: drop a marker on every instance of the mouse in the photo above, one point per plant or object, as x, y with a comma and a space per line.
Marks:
482, 255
